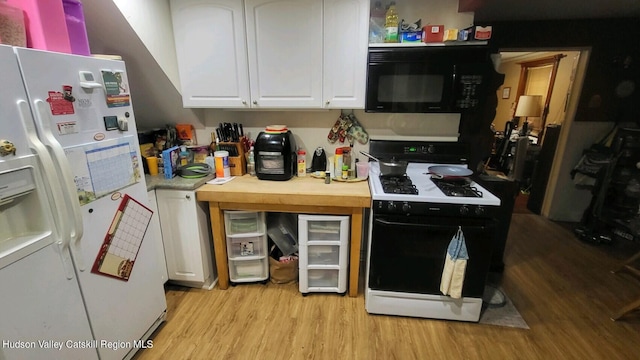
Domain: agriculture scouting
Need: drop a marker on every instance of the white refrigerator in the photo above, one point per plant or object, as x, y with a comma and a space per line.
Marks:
79, 273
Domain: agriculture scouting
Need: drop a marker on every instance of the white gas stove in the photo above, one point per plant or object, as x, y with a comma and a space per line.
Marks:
413, 220
427, 191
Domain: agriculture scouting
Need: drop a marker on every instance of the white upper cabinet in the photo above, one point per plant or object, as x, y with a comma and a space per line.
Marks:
272, 53
346, 27
284, 40
212, 53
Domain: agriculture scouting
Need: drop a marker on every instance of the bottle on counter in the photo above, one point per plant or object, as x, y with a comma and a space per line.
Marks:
302, 162
391, 24
345, 172
251, 162
183, 156
338, 163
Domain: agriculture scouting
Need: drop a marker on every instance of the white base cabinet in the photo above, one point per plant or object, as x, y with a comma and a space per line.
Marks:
187, 238
156, 235
246, 246
323, 253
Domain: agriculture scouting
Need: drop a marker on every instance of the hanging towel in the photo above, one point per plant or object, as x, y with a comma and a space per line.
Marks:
455, 264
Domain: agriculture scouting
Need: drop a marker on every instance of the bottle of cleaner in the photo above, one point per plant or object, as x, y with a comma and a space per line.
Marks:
391, 24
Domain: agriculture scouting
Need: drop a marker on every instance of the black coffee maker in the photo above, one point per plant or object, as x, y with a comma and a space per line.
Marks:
319, 161
275, 155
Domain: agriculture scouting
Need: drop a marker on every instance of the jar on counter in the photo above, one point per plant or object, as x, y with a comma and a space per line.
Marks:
12, 28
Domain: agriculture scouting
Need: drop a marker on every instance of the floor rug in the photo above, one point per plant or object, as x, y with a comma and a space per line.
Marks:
498, 309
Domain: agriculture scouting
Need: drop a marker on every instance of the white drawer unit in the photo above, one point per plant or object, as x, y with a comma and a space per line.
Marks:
246, 246
323, 252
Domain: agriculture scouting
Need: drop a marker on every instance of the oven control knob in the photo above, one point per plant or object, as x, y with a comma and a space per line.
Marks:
391, 206
479, 210
464, 210
406, 207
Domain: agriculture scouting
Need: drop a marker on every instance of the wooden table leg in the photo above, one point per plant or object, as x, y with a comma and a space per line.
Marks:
219, 245
354, 260
625, 310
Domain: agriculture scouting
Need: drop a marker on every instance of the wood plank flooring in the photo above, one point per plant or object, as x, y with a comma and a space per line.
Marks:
562, 287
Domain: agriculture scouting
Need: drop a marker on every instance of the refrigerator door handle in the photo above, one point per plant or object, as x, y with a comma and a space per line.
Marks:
61, 225
66, 176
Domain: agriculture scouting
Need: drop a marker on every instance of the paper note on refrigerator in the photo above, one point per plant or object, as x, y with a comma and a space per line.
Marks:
122, 242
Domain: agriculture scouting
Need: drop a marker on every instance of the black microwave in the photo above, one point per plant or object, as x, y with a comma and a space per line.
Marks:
425, 79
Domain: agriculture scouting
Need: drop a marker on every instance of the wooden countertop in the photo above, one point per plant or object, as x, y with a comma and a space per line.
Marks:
304, 195
297, 191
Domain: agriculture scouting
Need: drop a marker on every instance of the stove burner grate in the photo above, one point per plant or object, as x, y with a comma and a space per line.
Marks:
460, 187
398, 185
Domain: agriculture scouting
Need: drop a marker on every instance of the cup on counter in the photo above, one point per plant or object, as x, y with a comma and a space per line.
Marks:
152, 163
362, 169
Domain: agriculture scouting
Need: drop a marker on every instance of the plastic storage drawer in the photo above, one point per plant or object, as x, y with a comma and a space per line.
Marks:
247, 270
324, 231
244, 222
324, 254
244, 246
323, 278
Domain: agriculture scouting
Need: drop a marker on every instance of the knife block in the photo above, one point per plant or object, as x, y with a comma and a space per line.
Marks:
237, 164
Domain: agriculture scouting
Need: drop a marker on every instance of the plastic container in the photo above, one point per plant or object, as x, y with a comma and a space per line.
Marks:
12, 28
222, 164
46, 28
251, 162
391, 24
302, 162
362, 169
74, 17
376, 24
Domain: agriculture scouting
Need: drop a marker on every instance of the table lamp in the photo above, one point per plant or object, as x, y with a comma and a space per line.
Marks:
528, 106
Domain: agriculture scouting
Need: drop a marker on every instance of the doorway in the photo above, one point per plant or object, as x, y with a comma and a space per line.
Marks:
549, 76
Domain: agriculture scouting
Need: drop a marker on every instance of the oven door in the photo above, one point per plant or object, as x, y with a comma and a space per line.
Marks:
408, 252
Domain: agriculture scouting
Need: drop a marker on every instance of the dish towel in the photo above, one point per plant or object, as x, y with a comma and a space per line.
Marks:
455, 264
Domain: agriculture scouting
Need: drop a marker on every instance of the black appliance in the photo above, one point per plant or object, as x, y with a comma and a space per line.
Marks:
426, 79
319, 161
275, 155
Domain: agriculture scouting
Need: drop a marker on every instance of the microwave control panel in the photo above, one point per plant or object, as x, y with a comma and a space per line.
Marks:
467, 96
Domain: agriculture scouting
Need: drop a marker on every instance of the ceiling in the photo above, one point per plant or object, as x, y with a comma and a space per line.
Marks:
510, 10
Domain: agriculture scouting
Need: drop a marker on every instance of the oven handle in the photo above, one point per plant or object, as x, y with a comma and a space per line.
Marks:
395, 223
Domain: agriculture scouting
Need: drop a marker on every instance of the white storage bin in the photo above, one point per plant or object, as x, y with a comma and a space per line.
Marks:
324, 254
243, 246
244, 222
248, 270
323, 278
323, 250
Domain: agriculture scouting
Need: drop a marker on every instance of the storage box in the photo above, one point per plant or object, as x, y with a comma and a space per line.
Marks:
45, 24
482, 32
170, 161
411, 36
246, 246
450, 35
432, 33
74, 17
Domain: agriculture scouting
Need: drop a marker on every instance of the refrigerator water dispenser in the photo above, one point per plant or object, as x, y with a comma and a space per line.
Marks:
22, 221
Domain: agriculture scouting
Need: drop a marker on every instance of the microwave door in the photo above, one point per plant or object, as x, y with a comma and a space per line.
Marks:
409, 88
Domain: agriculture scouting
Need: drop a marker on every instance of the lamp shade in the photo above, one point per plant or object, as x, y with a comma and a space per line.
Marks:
529, 105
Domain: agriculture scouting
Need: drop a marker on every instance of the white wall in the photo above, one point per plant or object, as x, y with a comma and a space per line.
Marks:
311, 128
151, 20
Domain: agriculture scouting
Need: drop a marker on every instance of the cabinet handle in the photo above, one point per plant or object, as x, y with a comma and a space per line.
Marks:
328, 102
255, 102
188, 197
244, 102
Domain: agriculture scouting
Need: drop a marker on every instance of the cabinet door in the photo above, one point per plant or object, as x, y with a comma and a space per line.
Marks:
346, 25
212, 52
156, 234
284, 43
180, 231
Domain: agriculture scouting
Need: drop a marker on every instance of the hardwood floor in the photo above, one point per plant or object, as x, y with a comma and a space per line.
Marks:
562, 287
